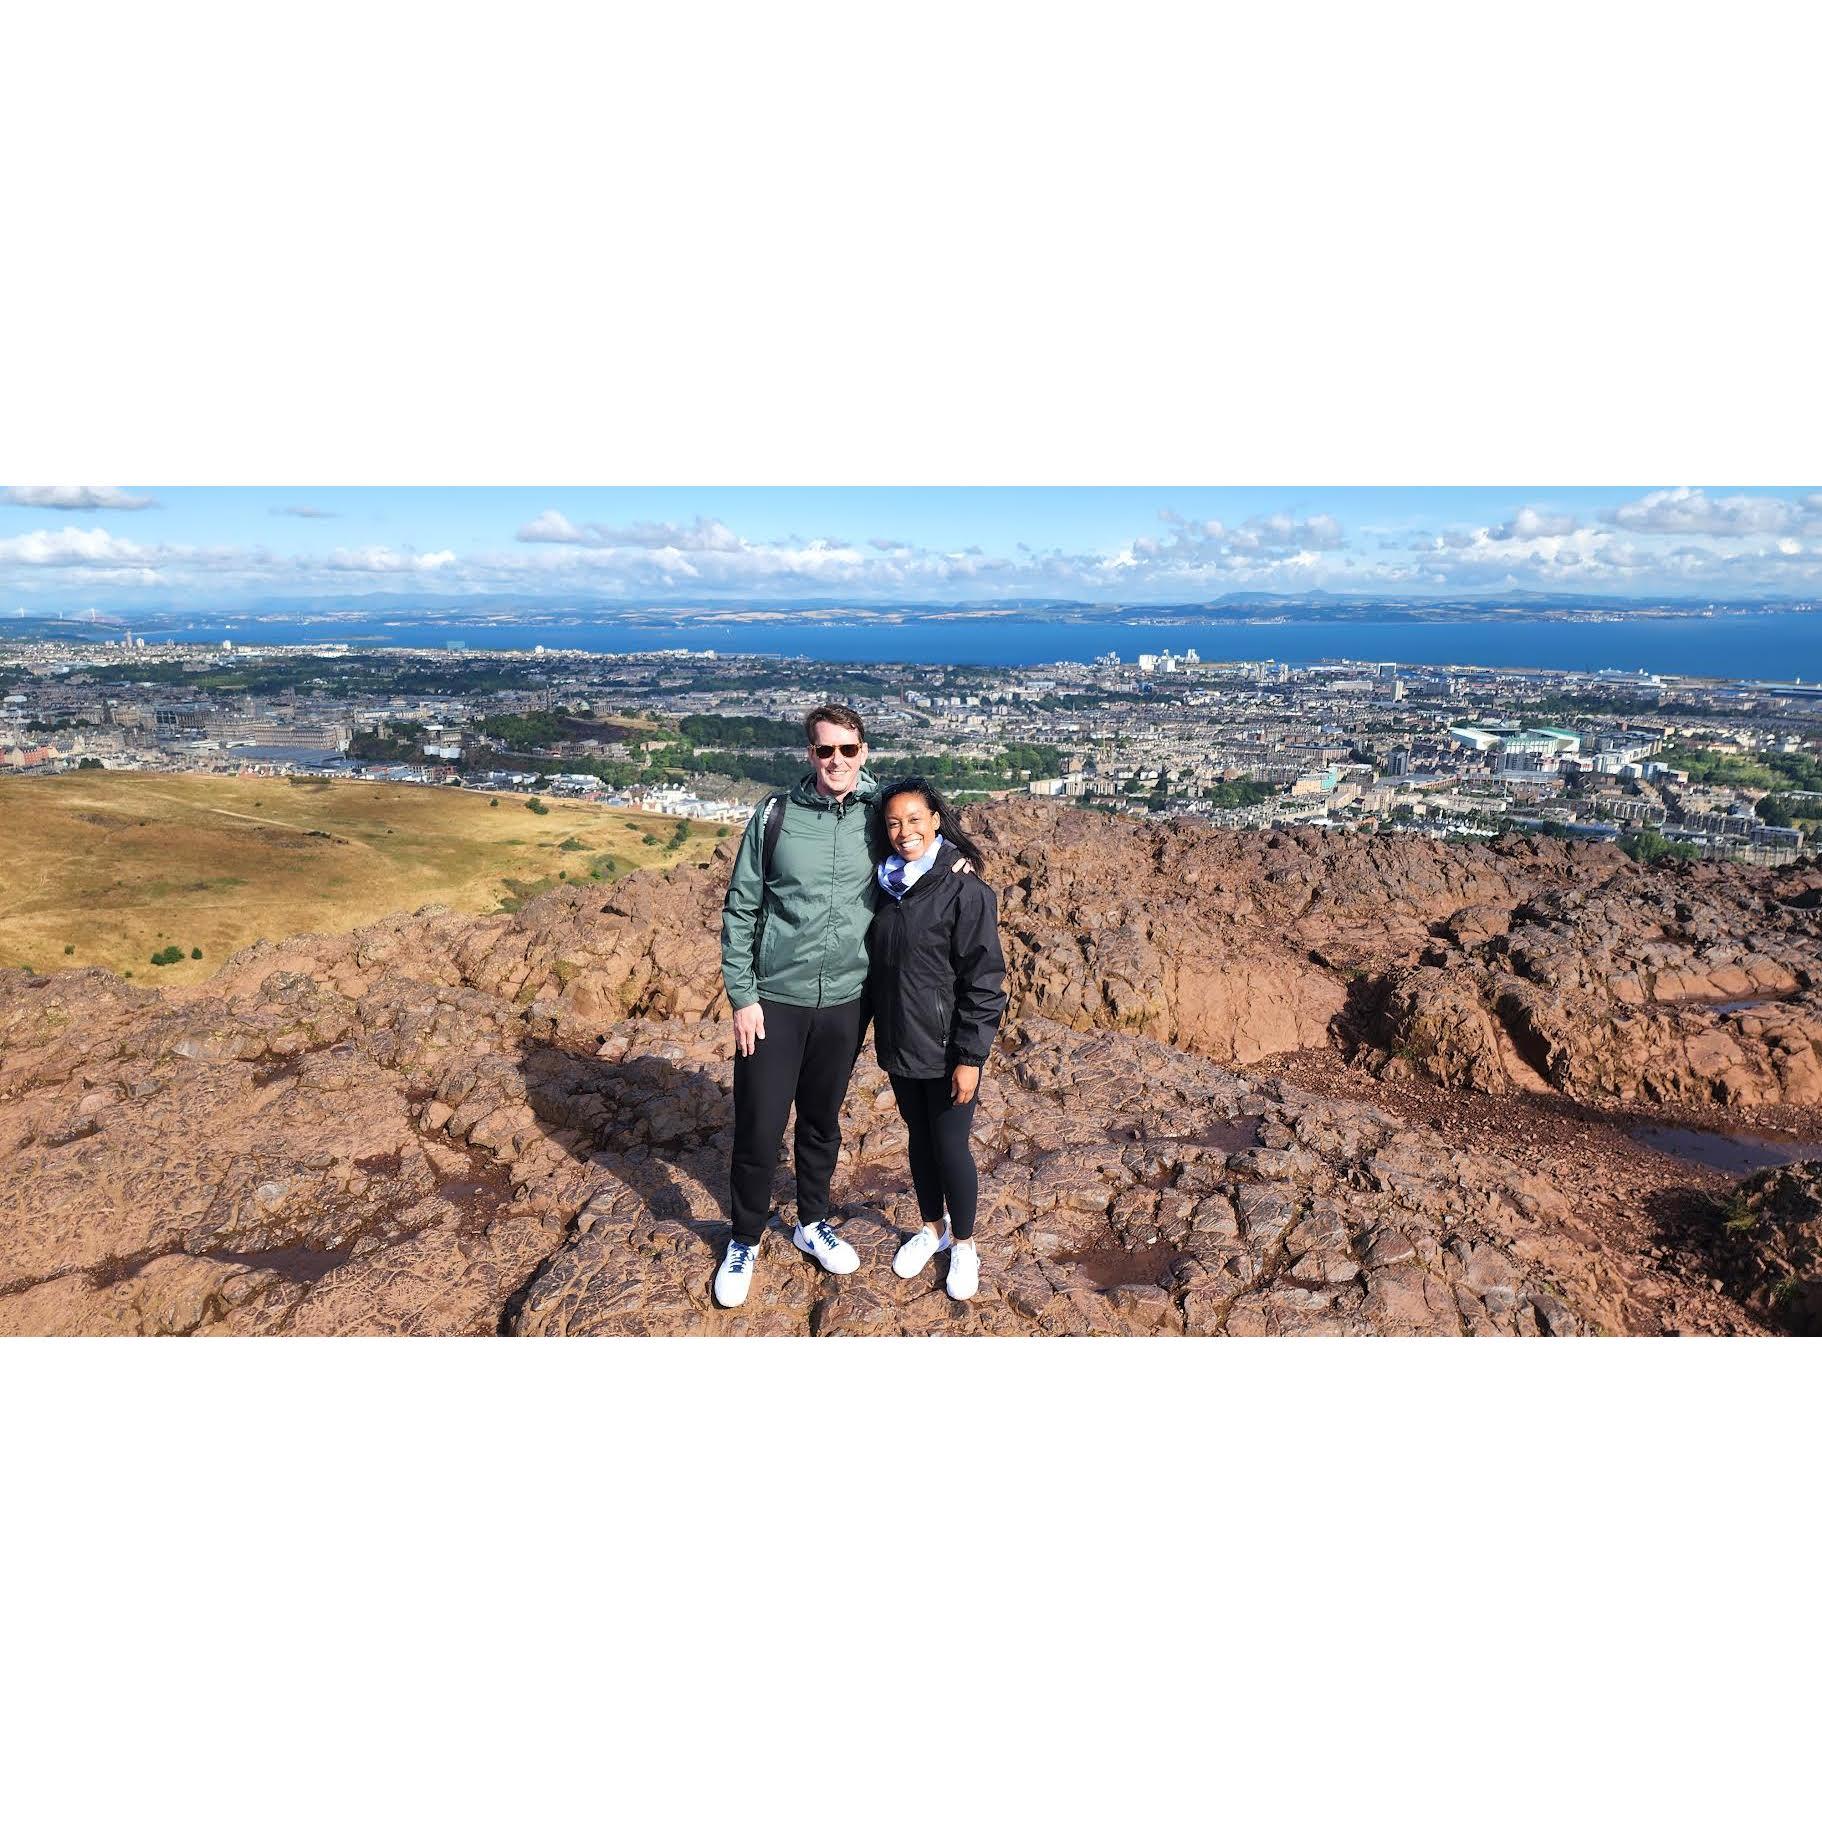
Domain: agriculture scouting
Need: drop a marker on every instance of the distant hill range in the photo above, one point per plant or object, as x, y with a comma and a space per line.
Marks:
448, 615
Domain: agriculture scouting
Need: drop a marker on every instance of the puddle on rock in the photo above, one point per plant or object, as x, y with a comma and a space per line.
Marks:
478, 1202
873, 1182
1735, 1154
1224, 1135
294, 1264
1229, 1135
1109, 1266
1696, 1002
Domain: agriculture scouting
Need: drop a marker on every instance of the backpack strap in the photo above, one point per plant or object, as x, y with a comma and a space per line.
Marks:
774, 821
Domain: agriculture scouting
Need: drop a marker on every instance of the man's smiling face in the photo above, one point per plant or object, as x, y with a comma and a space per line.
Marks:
837, 754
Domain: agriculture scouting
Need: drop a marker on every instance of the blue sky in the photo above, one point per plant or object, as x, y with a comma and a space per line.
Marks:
195, 545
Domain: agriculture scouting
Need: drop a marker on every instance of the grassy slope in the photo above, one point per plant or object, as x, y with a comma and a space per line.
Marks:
121, 864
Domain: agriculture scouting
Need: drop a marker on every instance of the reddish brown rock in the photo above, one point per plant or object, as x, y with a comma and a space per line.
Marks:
1767, 1238
457, 1125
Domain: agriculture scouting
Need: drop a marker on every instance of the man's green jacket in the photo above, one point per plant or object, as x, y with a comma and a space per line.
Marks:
800, 936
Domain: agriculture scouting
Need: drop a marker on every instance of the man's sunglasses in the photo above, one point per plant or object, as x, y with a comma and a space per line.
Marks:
848, 749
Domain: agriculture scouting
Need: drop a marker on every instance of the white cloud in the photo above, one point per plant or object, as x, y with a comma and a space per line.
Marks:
78, 499
302, 512
1689, 509
1532, 549
1199, 529
1177, 560
1283, 533
94, 550
705, 534
1205, 556
69, 548
1528, 522
376, 560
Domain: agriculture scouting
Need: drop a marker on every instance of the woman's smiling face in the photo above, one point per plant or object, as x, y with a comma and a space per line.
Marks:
911, 825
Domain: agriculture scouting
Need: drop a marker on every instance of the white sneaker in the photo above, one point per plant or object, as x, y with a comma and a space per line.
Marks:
735, 1278
826, 1247
964, 1271
918, 1251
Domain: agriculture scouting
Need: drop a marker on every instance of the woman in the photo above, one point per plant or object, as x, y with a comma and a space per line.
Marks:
937, 983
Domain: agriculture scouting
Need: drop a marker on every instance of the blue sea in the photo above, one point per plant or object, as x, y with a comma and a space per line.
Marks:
1772, 647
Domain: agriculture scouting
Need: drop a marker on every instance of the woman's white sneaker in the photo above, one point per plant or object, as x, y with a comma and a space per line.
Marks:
735, 1278
826, 1247
964, 1271
918, 1251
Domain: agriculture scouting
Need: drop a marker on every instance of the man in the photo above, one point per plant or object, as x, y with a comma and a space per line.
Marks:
794, 961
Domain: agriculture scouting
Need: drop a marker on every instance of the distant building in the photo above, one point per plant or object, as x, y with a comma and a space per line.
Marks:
1478, 739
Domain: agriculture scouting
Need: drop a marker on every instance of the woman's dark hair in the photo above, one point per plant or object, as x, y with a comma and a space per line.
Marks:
952, 831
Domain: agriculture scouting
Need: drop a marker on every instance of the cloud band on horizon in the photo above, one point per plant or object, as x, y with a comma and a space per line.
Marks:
1676, 541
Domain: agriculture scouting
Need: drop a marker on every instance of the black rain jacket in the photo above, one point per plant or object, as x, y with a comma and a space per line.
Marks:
937, 979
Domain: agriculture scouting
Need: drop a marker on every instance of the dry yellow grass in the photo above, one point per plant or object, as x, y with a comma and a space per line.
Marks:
117, 865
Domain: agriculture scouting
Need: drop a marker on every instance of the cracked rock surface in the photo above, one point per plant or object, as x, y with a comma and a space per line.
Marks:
456, 1125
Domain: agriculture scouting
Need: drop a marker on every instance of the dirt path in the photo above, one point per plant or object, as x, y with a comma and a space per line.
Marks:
275, 822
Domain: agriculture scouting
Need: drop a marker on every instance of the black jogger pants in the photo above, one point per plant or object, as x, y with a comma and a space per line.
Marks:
806, 1057
942, 1165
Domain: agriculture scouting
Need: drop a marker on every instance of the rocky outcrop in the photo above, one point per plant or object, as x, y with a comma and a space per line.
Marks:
1768, 1240
1698, 984
1512, 965
445, 1124
279, 1166
427, 1159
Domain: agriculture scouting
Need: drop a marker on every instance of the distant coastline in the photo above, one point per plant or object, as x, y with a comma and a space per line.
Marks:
1777, 645
1313, 608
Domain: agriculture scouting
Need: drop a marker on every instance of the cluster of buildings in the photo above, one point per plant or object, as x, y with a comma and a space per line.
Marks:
1449, 750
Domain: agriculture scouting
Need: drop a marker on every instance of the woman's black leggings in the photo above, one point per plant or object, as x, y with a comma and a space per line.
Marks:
942, 1166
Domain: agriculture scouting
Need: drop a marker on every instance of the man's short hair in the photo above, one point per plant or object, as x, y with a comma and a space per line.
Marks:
836, 712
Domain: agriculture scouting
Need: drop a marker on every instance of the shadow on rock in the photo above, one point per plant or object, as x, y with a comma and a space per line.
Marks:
1762, 1240
655, 1127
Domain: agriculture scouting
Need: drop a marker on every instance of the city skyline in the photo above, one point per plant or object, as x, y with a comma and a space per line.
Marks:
80, 546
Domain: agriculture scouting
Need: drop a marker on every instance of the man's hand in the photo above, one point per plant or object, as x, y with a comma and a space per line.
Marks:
964, 1079
749, 1028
